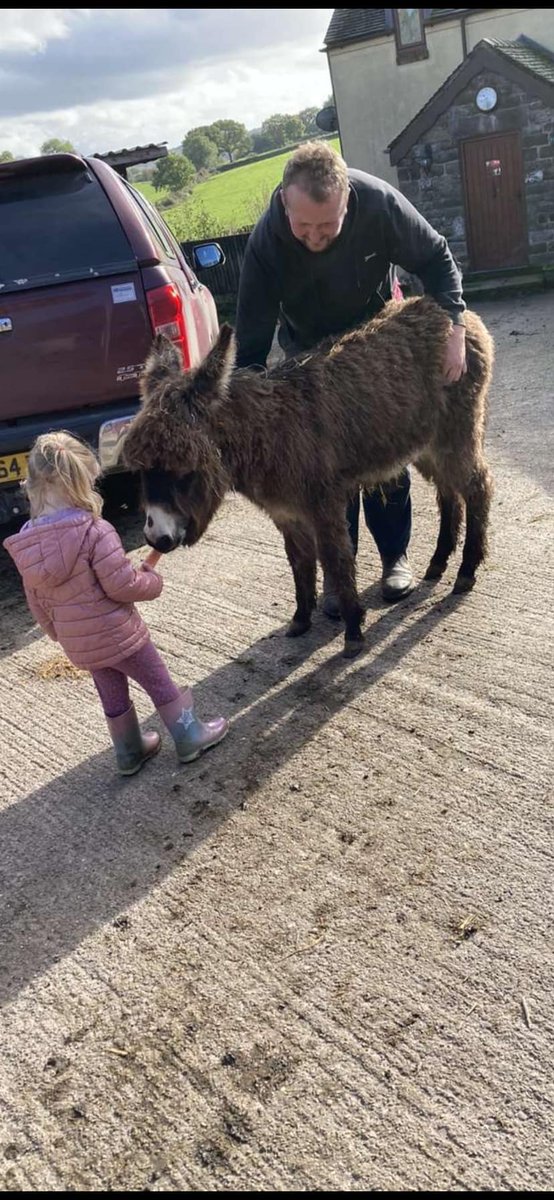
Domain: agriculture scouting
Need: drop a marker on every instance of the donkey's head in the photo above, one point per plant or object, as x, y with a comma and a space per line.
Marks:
172, 441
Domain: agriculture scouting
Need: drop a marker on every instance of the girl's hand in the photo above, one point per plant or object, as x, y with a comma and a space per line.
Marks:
151, 561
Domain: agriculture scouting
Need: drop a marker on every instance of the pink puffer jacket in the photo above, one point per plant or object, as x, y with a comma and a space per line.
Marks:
81, 587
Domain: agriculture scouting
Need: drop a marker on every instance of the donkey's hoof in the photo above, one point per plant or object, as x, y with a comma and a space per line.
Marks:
464, 583
435, 570
352, 647
297, 628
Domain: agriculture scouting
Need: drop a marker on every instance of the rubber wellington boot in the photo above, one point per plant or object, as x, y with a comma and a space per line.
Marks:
190, 735
132, 747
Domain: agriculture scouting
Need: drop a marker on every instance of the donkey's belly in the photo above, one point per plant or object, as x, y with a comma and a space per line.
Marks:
370, 479
282, 513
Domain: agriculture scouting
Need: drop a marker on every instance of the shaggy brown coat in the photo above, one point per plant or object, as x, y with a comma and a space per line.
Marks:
301, 438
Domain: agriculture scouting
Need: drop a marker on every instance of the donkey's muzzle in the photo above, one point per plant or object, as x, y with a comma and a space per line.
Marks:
163, 544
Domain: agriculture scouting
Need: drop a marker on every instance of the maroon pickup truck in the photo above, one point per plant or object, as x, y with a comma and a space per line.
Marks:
89, 272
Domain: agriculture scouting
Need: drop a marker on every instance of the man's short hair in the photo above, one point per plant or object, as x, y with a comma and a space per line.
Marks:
318, 170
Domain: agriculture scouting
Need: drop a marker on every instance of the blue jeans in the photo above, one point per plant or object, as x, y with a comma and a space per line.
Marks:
388, 516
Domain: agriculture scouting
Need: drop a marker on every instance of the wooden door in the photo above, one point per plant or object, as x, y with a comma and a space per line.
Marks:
492, 170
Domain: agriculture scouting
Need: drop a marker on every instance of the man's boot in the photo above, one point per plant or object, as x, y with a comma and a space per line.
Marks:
132, 747
190, 735
397, 580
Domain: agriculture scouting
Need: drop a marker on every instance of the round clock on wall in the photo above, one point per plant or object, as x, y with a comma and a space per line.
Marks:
486, 99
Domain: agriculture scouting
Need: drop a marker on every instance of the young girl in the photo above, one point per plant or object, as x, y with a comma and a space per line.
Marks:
81, 588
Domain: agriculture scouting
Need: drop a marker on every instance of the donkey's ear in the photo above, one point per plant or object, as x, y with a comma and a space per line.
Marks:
214, 373
165, 352
163, 362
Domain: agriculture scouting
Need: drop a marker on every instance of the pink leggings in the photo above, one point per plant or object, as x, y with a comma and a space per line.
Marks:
147, 669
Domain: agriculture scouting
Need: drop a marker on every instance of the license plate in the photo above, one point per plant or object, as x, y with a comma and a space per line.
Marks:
13, 468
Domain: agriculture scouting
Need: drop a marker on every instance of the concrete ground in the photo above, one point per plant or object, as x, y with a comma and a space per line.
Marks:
321, 957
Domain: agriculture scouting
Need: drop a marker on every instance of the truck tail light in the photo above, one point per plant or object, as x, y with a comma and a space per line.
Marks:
167, 316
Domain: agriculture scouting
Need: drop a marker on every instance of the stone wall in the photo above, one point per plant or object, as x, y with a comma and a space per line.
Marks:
438, 193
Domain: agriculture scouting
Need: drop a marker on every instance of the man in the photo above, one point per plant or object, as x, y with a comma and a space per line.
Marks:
321, 260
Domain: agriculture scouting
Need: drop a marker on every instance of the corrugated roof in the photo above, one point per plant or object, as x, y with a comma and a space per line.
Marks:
134, 150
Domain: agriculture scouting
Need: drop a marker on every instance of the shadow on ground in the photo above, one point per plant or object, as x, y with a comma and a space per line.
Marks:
108, 841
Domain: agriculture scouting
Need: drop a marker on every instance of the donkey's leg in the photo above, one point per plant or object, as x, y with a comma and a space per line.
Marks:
477, 495
300, 548
337, 559
451, 511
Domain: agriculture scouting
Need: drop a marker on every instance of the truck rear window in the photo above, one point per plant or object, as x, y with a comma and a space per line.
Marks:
56, 226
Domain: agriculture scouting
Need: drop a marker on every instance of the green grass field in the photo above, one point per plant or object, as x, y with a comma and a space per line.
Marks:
227, 202
149, 191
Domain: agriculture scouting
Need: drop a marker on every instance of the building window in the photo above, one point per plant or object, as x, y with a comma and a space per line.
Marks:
409, 32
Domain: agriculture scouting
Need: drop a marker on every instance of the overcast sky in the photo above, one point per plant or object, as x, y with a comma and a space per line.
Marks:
108, 78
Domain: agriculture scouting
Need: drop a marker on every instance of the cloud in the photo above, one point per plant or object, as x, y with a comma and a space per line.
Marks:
108, 78
28, 30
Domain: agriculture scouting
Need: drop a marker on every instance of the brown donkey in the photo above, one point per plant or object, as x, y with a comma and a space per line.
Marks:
299, 439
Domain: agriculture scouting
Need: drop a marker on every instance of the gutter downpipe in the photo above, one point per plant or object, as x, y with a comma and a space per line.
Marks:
464, 36
325, 50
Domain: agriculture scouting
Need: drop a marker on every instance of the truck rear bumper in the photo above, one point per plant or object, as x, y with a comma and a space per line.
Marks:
103, 428
16, 437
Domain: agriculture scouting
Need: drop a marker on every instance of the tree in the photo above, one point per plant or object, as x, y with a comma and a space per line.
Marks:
6, 156
260, 142
201, 149
282, 128
307, 116
206, 130
56, 146
231, 138
174, 172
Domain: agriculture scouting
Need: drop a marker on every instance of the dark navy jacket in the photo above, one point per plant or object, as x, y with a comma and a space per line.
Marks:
316, 294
